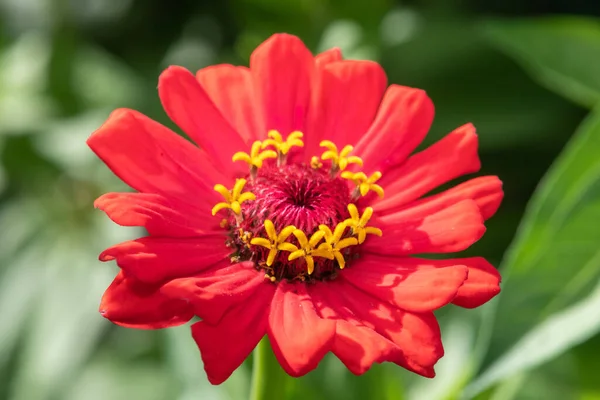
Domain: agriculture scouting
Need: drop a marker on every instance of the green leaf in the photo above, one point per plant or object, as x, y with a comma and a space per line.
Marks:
22, 81
588, 365
103, 81
553, 263
477, 84
561, 53
65, 314
459, 330
555, 380
545, 341
185, 363
110, 378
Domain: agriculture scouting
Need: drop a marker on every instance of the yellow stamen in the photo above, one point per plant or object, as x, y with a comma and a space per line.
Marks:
334, 242
245, 236
340, 160
233, 198
308, 249
283, 147
363, 184
275, 241
255, 158
315, 163
359, 223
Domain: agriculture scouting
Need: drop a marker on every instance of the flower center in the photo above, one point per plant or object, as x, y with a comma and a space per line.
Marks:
297, 221
297, 195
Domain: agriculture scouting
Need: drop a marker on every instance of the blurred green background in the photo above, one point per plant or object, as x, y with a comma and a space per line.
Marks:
527, 74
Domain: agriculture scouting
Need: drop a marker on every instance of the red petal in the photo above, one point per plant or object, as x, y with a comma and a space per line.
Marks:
300, 338
355, 344
349, 95
358, 347
154, 260
281, 69
188, 105
328, 56
152, 159
453, 156
218, 289
231, 89
486, 191
415, 230
402, 122
416, 335
159, 215
314, 133
134, 305
409, 286
482, 284
225, 346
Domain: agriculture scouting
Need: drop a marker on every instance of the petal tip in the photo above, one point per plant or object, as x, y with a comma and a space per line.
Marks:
173, 73
482, 285
114, 118
106, 256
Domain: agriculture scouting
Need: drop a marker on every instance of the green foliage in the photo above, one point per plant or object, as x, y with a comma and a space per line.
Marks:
562, 53
556, 249
555, 260
62, 72
552, 270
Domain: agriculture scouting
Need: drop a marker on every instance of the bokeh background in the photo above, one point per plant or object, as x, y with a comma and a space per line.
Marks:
526, 73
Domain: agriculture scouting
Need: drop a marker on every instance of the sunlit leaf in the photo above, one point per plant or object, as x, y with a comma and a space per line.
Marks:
469, 81
545, 341
107, 378
349, 37
64, 142
51, 285
459, 329
562, 53
554, 380
186, 365
65, 314
23, 66
553, 263
104, 81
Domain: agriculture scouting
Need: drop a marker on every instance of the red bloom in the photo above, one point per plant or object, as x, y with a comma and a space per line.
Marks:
305, 249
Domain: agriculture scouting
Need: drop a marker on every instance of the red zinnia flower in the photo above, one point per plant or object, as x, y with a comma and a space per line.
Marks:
276, 225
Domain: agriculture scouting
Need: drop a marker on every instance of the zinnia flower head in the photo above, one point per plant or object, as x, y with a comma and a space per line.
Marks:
297, 215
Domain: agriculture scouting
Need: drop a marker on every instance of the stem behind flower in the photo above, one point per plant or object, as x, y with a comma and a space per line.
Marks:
269, 381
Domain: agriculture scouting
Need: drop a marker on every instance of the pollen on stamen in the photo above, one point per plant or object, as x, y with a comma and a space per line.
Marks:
339, 159
283, 146
315, 163
296, 221
255, 159
364, 184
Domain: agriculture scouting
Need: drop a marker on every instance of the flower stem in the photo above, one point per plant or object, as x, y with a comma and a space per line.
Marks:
269, 381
